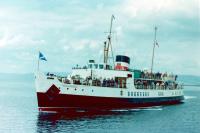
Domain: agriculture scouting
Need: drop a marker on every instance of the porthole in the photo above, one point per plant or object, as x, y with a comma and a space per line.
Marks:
121, 93
92, 90
82, 89
134, 93
131, 93
128, 93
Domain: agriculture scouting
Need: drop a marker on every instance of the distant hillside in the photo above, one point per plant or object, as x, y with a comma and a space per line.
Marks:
189, 79
16, 77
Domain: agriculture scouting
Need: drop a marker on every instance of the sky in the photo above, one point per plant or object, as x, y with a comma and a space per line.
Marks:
72, 32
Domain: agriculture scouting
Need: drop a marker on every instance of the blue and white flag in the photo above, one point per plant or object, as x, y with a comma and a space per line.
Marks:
42, 57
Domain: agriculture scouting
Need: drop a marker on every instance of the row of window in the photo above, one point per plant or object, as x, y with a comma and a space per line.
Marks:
96, 66
138, 93
129, 93
160, 94
176, 93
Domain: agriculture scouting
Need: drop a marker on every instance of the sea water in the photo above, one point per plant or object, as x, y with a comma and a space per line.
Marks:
19, 114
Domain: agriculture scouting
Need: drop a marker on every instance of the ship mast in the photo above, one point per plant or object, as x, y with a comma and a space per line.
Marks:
107, 44
154, 44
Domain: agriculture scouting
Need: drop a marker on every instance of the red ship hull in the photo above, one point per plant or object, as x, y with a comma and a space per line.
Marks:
65, 102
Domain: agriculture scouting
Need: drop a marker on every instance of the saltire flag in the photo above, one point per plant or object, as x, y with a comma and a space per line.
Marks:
113, 16
157, 44
42, 57
155, 36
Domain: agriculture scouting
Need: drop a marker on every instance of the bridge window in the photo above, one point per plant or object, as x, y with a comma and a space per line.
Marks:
95, 66
101, 66
90, 65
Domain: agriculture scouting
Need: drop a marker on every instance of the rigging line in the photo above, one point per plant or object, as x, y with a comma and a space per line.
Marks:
152, 61
112, 18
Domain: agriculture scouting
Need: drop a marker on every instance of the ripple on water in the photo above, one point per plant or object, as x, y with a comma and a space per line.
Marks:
189, 97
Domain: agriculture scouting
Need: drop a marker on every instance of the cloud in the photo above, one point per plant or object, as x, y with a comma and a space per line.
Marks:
70, 28
136, 8
18, 41
4, 40
81, 44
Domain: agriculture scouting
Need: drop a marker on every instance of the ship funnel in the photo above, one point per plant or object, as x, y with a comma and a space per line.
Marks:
122, 62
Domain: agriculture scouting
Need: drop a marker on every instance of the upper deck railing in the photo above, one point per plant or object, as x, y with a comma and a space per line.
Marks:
138, 83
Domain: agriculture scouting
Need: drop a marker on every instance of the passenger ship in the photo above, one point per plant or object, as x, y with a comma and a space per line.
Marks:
106, 86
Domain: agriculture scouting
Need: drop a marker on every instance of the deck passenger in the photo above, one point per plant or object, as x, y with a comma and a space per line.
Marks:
112, 82
157, 85
152, 85
163, 85
104, 82
176, 77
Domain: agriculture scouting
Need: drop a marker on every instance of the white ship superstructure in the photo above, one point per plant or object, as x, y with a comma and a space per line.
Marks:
106, 86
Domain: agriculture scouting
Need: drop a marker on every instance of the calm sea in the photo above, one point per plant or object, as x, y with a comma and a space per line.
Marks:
19, 114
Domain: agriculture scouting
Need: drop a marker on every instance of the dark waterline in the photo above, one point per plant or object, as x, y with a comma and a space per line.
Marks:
18, 113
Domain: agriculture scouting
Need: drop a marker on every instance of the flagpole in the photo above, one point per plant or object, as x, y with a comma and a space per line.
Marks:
152, 61
38, 65
38, 62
